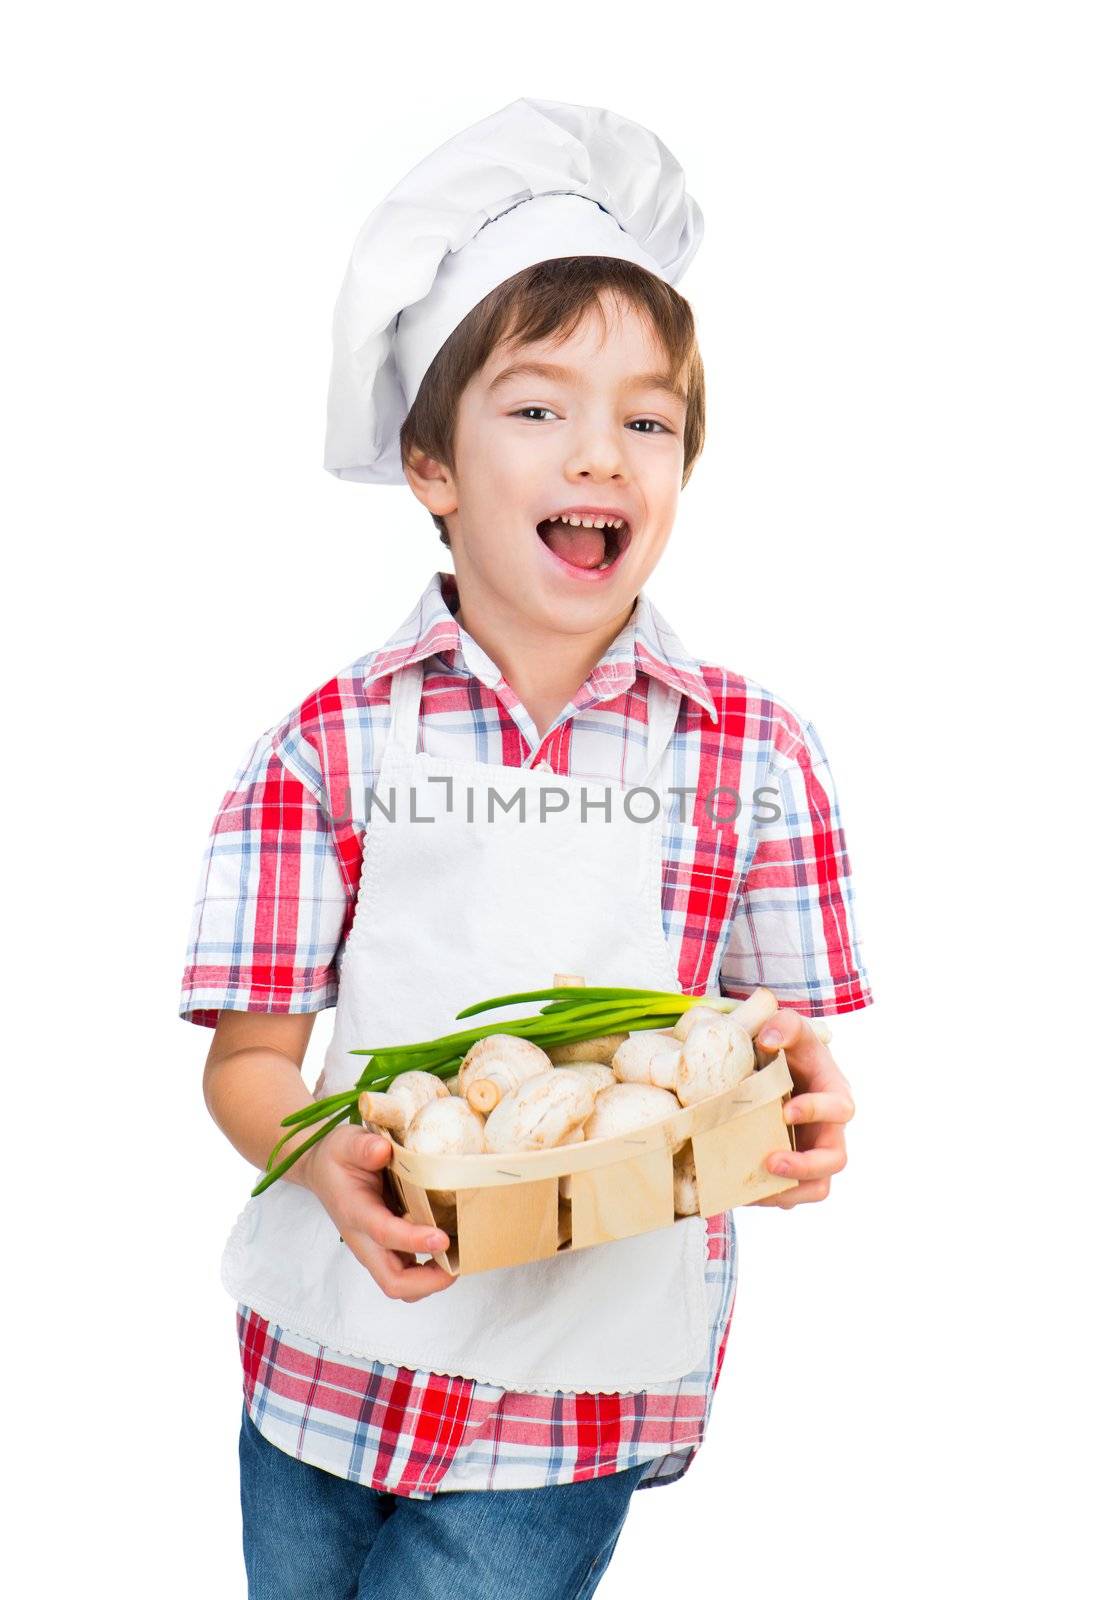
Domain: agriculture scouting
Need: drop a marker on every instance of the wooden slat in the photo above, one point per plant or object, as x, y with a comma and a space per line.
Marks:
417, 1206
623, 1199
730, 1161
503, 1227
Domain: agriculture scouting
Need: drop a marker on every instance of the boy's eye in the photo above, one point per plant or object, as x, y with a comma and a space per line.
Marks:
651, 421
525, 409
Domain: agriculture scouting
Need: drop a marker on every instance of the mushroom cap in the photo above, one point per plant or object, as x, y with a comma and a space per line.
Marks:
715, 1056
415, 1089
446, 1127
626, 1106
524, 1056
691, 1018
650, 1057
595, 1073
539, 1113
601, 1049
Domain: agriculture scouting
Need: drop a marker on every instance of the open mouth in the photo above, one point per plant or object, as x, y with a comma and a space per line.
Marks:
580, 543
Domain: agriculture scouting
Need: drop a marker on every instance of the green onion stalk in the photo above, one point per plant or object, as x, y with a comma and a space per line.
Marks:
569, 1014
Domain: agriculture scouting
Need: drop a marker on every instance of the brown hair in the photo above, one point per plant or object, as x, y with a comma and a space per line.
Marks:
546, 299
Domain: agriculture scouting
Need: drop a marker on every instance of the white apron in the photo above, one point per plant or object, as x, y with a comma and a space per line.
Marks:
448, 912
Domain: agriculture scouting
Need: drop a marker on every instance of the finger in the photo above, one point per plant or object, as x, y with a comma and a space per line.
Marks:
820, 1106
817, 1190
410, 1282
379, 1222
399, 1275
368, 1154
805, 1054
365, 1151
817, 1162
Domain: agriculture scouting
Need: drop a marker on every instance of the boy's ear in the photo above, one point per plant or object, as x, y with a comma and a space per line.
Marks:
432, 482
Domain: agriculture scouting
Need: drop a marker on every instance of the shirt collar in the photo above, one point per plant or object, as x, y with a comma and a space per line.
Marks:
646, 644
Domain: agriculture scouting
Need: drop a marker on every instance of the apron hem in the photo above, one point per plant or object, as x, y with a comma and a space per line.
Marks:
339, 1343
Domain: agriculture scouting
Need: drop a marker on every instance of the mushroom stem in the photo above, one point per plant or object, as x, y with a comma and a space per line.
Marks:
483, 1095
504, 1058
752, 1013
384, 1110
408, 1093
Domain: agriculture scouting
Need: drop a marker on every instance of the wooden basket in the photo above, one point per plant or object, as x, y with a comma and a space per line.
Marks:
507, 1206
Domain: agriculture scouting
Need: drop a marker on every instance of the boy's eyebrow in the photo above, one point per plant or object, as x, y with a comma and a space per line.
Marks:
544, 369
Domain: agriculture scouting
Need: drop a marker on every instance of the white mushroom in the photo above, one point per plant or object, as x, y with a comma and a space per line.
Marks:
595, 1074
715, 1056
497, 1063
751, 1014
689, 1018
627, 1106
718, 1052
620, 1109
648, 1057
601, 1050
540, 1113
446, 1127
397, 1107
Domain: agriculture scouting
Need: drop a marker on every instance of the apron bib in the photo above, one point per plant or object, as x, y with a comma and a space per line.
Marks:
459, 899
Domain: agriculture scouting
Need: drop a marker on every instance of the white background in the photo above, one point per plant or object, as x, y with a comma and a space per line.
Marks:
889, 527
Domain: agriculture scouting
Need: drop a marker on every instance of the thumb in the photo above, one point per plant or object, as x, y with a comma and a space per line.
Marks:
789, 1031
368, 1150
783, 1029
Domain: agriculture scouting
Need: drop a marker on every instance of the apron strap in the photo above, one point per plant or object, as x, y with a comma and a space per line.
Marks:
406, 699
662, 711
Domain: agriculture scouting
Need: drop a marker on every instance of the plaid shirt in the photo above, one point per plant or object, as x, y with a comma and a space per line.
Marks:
744, 903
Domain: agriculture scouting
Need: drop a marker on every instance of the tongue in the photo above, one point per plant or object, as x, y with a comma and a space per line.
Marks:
581, 547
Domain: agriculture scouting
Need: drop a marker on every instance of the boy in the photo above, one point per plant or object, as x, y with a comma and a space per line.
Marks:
510, 345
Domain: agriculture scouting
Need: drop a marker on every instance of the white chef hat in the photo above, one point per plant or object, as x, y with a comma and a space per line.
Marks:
535, 181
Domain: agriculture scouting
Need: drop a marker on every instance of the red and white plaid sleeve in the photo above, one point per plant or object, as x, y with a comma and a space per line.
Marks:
793, 930
274, 899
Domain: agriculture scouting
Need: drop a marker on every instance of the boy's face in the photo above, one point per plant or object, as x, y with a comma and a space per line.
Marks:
597, 432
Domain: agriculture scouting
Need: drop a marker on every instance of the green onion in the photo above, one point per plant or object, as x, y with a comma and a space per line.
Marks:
572, 1012
571, 993
279, 1172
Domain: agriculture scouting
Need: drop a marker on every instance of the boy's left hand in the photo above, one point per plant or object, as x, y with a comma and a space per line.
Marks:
819, 1107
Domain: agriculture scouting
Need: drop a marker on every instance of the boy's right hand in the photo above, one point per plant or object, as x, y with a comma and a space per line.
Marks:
344, 1172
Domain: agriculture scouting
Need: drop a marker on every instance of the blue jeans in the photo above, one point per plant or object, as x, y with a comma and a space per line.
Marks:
310, 1535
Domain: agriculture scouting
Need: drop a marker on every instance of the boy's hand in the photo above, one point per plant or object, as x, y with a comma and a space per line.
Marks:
819, 1108
344, 1171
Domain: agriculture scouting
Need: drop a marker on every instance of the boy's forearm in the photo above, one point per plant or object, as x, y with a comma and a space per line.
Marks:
248, 1093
